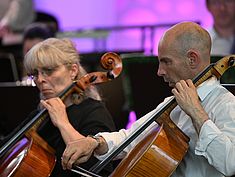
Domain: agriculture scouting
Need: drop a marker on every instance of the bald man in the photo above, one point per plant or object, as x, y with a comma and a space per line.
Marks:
205, 114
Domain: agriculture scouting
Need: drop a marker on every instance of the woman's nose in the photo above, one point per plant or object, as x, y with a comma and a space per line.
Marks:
40, 77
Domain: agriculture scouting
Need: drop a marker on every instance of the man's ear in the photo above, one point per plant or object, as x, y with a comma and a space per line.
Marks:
193, 58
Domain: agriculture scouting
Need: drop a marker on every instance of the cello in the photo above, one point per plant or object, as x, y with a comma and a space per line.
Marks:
163, 148
26, 153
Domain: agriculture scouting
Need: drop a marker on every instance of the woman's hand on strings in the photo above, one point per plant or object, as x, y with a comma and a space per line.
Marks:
57, 110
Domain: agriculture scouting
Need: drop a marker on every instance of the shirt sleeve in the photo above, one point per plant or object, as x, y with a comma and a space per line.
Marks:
216, 141
114, 139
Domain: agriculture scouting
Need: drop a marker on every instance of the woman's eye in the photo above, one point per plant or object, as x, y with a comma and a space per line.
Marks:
48, 71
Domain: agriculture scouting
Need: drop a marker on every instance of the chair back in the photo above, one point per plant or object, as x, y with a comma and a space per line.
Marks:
8, 68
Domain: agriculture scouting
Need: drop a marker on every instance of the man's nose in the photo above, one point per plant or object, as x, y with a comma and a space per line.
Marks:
160, 71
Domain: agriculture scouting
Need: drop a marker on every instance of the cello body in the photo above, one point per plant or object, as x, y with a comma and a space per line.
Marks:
158, 154
27, 157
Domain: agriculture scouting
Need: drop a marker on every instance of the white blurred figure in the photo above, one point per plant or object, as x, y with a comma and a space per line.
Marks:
223, 30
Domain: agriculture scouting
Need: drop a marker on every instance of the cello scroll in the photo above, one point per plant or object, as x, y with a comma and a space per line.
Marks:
109, 61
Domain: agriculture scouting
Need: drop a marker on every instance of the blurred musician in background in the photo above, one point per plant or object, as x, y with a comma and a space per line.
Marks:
33, 34
223, 31
15, 15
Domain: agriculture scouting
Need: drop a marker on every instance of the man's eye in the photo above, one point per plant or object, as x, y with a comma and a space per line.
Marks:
166, 62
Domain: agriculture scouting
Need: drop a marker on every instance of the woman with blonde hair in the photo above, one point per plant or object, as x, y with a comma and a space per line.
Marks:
54, 65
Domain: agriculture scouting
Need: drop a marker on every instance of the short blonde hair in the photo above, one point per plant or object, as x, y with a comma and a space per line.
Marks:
53, 52
50, 53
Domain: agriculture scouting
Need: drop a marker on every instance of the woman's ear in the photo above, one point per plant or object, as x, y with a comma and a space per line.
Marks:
74, 71
193, 58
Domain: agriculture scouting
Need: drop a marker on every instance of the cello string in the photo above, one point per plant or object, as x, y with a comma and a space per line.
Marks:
83, 172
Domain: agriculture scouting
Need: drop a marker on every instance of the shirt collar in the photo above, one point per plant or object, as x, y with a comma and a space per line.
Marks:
206, 87
214, 35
